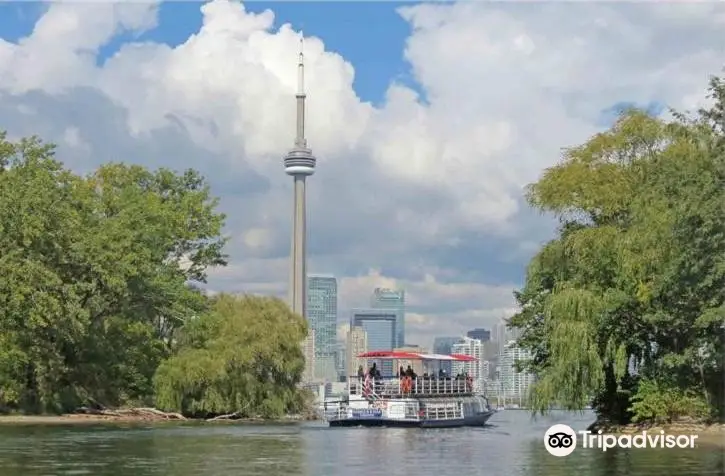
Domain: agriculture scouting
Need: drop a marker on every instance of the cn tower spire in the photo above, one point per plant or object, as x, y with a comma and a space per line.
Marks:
300, 140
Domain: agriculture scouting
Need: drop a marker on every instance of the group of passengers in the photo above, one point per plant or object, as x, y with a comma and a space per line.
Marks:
375, 383
374, 372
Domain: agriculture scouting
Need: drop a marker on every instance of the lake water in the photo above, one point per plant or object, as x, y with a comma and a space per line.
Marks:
511, 445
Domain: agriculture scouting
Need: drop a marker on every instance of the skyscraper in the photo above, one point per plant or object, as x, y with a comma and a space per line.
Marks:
308, 350
484, 335
515, 384
490, 350
475, 369
357, 343
502, 335
381, 331
322, 317
392, 299
341, 359
443, 345
300, 163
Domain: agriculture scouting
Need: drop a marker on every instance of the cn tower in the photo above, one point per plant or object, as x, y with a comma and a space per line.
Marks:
299, 163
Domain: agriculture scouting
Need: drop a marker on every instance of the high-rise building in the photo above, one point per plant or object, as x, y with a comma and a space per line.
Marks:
340, 359
308, 350
300, 163
484, 335
514, 384
485, 369
475, 369
322, 317
443, 345
392, 299
381, 328
502, 335
357, 343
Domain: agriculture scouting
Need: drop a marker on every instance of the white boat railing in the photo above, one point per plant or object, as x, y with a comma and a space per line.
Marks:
336, 413
442, 411
412, 410
406, 386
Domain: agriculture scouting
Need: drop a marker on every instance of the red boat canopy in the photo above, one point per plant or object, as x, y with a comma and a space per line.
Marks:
389, 355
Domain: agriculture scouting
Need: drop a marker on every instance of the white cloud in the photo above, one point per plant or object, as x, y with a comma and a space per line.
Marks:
427, 191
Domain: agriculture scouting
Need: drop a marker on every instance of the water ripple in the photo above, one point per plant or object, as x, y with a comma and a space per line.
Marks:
511, 446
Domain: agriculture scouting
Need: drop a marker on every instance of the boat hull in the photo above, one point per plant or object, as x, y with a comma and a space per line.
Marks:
478, 419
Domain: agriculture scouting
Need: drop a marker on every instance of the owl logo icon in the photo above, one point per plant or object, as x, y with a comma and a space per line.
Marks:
560, 440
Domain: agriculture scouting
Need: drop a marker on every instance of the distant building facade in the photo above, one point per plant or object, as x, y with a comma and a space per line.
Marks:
322, 317
394, 300
308, 350
380, 325
443, 345
514, 384
340, 359
475, 369
484, 335
357, 343
502, 335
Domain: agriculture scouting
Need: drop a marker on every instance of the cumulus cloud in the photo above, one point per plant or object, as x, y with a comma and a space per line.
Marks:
425, 191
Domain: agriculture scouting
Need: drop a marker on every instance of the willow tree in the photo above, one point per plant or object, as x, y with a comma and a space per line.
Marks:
627, 300
244, 357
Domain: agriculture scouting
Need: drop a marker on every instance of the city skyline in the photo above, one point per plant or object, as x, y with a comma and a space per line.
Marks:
493, 372
378, 327
389, 299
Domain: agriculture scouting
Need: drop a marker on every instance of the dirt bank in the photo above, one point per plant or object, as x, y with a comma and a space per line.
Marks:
127, 416
64, 419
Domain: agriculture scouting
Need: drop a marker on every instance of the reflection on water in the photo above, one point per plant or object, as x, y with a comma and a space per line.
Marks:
511, 445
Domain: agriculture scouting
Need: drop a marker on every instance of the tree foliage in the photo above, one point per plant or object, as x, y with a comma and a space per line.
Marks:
627, 300
99, 278
234, 359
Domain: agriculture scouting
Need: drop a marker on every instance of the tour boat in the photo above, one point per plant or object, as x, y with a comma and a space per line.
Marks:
423, 401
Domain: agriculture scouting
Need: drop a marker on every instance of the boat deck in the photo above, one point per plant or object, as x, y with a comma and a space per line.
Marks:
420, 387
410, 412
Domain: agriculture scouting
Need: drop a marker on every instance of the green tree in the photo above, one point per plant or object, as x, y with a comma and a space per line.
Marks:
636, 275
96, 276
244, 357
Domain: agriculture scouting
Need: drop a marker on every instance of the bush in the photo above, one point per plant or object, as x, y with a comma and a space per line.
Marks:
656, 402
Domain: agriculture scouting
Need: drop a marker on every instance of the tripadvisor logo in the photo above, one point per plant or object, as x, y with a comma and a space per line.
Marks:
561, 440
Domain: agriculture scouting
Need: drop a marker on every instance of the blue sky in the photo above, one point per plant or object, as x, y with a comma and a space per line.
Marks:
371, 35
422, 196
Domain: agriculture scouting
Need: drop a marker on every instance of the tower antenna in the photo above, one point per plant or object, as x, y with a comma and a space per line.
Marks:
300, 140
